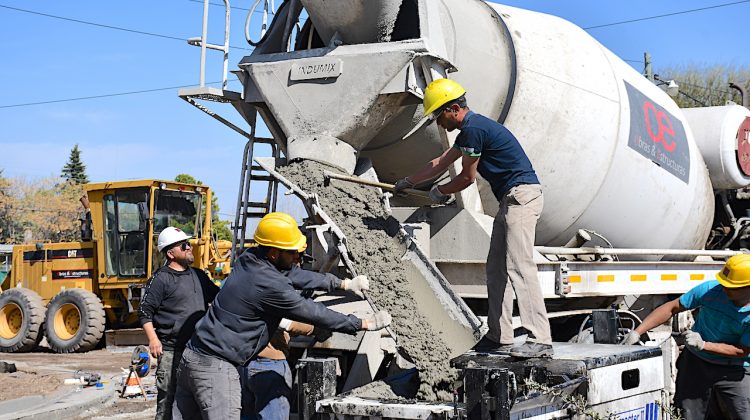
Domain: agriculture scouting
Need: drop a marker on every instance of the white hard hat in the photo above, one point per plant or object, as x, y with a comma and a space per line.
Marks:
171, 236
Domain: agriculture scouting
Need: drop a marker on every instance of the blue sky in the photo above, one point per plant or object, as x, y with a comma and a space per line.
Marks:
157, 135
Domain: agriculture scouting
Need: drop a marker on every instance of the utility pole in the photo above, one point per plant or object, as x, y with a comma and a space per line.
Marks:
647, 70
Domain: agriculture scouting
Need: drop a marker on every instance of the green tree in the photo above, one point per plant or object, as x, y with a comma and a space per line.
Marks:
220, 227
75, 171
8, 223
706, 84
39, 210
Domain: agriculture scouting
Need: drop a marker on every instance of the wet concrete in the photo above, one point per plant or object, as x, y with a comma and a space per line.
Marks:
361, 215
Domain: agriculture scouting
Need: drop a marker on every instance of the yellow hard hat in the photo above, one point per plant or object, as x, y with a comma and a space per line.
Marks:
439, 93
279, 230
736, 272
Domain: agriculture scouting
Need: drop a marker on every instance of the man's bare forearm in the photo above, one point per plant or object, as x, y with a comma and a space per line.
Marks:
150, 331
427, 172
659, 316
723, 349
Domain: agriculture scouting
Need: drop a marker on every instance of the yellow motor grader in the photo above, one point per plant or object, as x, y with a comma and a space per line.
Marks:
70, 292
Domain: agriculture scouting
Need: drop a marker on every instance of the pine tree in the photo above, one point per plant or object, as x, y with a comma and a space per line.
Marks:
75, 171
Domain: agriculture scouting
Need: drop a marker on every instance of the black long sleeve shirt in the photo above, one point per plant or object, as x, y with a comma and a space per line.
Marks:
252, 301
174, 301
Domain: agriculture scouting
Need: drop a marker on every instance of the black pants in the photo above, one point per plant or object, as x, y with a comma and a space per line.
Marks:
711, 391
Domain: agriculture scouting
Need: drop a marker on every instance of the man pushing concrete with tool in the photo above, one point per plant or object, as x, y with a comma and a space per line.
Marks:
488, 148
258, 293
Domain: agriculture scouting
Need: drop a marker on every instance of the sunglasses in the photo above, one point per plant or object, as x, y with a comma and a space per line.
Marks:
184, 246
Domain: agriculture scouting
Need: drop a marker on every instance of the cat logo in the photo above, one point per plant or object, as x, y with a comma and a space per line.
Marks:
72, 253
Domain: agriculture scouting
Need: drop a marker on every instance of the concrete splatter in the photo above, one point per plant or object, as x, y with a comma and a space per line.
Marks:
360, 214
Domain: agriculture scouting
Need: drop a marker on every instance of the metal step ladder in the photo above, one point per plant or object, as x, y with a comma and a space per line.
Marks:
250, 205
250, 209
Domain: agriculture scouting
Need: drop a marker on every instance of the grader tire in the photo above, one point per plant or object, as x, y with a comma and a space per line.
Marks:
75, 321
21, 320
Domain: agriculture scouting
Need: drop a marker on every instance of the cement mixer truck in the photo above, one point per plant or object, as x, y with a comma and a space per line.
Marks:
635, 187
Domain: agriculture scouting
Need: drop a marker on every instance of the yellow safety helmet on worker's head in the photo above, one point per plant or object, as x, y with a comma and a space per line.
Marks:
438, 93
736, 272
279, 230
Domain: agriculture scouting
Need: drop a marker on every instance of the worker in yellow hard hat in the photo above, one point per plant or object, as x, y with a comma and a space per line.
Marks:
488, 148
713, 377
251, 304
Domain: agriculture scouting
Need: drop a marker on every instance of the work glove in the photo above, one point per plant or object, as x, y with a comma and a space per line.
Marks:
378, 321
401, 185
358, 285
693, 340
321, 334
631, 338
437, 196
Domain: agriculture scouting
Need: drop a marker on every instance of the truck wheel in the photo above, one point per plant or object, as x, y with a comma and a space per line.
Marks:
21, 320
75, 321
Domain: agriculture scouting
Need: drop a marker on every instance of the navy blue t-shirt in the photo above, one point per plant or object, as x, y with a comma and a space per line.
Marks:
502, 161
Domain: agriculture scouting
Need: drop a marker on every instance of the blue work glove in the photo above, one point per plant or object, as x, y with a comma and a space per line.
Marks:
401, 185
437, 196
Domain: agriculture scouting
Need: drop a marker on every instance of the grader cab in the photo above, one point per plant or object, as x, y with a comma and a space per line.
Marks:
70, 292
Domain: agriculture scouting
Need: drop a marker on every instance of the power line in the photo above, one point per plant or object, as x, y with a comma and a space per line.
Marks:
231, 7
667, 14
706, 88
106, 95
101, 25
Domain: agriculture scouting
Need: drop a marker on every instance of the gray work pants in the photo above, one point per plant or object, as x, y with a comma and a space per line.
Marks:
706, 390
166, 382
511, 259
207, 388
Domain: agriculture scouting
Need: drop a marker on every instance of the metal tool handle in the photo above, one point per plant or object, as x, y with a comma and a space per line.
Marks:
383, 185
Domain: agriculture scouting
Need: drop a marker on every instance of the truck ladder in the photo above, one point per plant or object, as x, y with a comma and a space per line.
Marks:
250, 208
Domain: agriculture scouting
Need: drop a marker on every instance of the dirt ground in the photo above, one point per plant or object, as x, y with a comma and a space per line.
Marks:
43, 372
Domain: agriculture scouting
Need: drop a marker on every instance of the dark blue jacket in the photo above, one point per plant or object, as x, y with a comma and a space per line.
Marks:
252, 301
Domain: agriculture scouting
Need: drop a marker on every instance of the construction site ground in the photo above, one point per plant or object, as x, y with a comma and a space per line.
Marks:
38, 390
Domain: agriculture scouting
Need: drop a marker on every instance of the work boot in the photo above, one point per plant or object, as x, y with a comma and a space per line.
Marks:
530, 350
487, 345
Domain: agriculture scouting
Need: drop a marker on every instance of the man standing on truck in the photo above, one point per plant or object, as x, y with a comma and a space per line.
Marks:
488, 148
175, 298
713, 372
258, 293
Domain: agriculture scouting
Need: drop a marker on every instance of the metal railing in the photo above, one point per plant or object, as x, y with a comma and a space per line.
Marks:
203, 43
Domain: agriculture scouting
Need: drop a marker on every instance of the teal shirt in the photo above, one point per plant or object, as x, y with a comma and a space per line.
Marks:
719, 320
